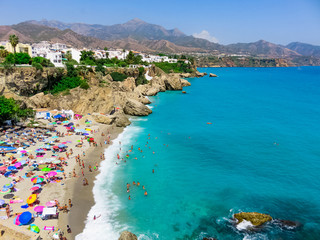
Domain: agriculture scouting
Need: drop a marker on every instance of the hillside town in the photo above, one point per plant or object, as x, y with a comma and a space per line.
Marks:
56, 52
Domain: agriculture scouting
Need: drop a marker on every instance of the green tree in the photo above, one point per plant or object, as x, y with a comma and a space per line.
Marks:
3, 53
87, 57
68, 55
130, 58
14, 40
18, 58
2, 47
9, 109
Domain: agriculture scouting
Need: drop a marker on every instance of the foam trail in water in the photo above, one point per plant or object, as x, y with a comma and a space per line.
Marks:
106, 202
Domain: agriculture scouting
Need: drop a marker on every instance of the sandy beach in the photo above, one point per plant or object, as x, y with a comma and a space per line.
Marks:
58, 188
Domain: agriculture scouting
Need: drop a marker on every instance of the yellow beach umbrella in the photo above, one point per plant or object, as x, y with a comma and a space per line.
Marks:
32, 198
88, 129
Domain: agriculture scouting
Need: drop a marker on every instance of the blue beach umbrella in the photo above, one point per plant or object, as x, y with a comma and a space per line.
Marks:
2, 201
12, 168
9, 185
25, 218
7, 174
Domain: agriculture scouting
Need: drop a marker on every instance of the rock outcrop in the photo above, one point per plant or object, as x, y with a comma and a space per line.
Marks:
185, 83
212, 75
99, 118
126, 235
257, 219
199, 74
133, 107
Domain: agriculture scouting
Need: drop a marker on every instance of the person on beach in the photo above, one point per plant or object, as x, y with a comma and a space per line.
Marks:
68, 229
82, 163
8, 210
82, 172
97, 166
70, 204
90, 168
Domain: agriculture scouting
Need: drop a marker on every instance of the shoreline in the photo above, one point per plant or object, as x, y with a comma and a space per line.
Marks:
82, 196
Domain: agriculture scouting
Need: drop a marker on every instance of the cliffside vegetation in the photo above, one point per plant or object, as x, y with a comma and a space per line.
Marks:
179, 67
10, 110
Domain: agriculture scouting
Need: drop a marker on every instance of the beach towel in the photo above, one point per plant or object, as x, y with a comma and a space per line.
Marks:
16, 201
49, 228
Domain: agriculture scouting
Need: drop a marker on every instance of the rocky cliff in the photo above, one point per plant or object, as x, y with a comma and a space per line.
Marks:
103, 96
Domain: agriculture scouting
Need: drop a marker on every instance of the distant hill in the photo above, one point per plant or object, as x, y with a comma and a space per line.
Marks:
262, 48
142, 36
304, 49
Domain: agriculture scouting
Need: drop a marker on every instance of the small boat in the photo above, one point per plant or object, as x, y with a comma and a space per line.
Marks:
184, 92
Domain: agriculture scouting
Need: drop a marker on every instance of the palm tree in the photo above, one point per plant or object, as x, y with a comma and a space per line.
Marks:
14, 40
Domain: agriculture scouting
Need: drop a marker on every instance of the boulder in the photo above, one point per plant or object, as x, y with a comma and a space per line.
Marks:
136, 108
287, 224
128, 85
126, 235
185, 83
199, 74
102, 119
39, 100
257, 219
173, 82
185, 75
212, 75
120, 120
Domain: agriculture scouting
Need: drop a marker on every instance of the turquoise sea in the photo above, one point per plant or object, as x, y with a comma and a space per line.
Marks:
261, 153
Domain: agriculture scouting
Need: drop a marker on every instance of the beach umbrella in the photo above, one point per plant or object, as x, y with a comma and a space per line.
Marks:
8, 196
37, 185
7, 174
61, 146
17, 165
25, 218
41, 166
64, 143
23, 162
65, 121
23, 151
46, 169
12, 168
50, 203
34, 188
86, 134
53, 123
38, 179
16, 220
88, 129
3, 168
55, 137
32, 198
34, 228
38, 209
55, 147
51, 174
8, 185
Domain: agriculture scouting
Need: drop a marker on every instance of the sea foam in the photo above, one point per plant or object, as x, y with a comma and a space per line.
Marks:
106, 202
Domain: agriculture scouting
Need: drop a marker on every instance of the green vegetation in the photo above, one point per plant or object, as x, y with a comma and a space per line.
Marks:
14, 40
118, 76
37, 66
18, 58
179, 67
10, 109
141, 78
42, 61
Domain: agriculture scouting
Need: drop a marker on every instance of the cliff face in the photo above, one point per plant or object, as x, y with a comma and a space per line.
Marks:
128, 98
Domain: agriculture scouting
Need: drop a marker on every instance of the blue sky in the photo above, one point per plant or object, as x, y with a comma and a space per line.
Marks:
225, 21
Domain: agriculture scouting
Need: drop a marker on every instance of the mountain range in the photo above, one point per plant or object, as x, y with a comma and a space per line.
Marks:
142, 36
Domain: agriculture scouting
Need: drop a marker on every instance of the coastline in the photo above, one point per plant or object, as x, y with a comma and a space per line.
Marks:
82, 196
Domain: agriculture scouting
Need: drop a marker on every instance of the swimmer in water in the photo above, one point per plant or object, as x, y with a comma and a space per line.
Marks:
134, 183
145, 193
138, 184
152, 170
129, 197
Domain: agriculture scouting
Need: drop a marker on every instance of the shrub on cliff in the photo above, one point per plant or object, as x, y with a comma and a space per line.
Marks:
18, 58
84, 85
119, 77
38, 66
42, 61
141, 78
10, 109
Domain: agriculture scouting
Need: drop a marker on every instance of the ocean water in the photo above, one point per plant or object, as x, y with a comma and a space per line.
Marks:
260, 153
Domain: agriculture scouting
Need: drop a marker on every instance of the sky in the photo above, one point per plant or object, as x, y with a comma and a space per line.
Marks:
222, 21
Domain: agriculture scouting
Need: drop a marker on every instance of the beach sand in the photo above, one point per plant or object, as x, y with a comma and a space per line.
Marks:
70, 188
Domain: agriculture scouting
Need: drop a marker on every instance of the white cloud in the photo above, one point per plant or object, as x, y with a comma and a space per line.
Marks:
205, 35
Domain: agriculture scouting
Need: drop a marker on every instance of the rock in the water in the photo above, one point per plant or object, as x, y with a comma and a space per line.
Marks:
199, 74
120, 120
173, 83
135, 108
185, 75
287, 224
257, 219
185, 83
212, 75
125, 235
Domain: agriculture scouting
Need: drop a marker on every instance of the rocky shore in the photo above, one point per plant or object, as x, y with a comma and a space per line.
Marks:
103, 96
